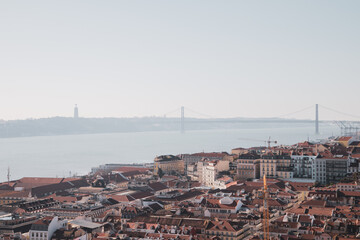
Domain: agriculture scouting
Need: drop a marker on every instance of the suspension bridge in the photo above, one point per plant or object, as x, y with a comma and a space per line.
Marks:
347, 127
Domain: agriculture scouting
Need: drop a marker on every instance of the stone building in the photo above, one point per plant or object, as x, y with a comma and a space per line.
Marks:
169, 164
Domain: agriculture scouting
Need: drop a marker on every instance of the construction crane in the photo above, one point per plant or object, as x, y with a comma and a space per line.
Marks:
266, 216
267, 142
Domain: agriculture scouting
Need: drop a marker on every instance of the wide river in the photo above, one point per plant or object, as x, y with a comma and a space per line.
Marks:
60, 156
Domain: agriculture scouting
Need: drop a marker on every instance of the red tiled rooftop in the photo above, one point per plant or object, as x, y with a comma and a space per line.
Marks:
314, 202
39, 180
351, 193
44, 221
210, 155
121, 198
130, 169
344, 138
215, 203
316, 211
220, 226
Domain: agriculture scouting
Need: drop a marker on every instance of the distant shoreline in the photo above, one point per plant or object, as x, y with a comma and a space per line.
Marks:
58, 126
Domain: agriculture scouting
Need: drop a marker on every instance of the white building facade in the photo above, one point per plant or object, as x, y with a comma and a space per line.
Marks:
44, 228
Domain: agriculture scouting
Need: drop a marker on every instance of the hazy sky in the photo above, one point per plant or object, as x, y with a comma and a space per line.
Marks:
140, 58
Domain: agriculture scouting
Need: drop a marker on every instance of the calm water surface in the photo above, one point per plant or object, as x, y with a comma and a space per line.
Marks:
61, 155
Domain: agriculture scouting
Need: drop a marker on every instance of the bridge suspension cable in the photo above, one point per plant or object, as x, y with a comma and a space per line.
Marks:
178, 110
198, 113
298, 111
340, 112
173, 111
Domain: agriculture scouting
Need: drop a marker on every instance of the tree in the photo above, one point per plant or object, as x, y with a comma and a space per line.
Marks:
160, 173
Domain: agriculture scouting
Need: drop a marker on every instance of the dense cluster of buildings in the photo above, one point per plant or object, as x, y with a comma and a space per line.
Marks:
323, 163
313, 192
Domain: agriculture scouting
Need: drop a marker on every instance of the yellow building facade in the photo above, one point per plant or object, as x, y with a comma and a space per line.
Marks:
276, 167
169, 164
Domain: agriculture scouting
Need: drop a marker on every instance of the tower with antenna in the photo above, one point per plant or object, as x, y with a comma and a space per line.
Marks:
76, 111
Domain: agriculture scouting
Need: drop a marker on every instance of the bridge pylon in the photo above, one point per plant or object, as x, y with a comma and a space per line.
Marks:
316, 118
182, 120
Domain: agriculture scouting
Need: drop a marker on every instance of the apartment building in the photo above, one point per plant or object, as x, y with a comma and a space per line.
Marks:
44, 228
276, 166
194, 158
302, 165
169, 164
248, 166
329, 170
208, 171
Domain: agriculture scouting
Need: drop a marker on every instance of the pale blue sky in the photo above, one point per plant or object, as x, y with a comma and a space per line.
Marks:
140, 58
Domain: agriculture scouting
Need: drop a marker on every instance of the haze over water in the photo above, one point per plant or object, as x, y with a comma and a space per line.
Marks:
52, 156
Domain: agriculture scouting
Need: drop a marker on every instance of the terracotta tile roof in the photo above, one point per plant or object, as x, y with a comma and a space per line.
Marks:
307, 236
225, 179
314, 203
155, 206
342, 139
350, 193
30, 182
43, 221
157, 186
132, 173
271, 202
210, 155
121, 198
274, 229
304, 219
224, 226
40, 180
316, 211
141, 195
129, 169
71, 179
15, 194
305, 144
167, 236
215, 203
301, 186
286, 194
44, 190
